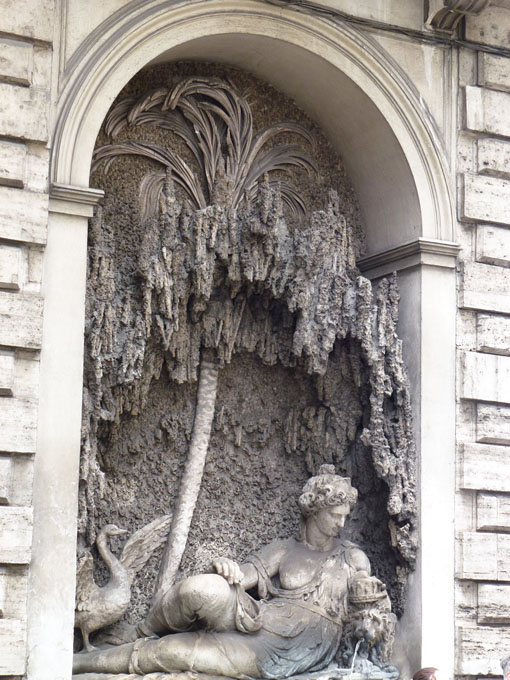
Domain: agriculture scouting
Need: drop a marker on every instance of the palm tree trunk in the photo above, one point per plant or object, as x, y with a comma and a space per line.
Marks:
192, 477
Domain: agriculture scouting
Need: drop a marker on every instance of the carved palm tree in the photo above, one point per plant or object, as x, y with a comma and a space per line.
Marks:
215, 123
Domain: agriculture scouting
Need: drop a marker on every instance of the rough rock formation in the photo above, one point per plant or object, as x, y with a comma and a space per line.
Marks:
310, 364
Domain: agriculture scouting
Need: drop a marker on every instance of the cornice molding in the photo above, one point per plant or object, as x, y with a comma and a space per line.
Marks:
422, 251
447, 18
74, 200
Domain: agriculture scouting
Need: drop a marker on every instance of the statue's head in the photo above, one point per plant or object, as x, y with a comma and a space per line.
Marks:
326, 489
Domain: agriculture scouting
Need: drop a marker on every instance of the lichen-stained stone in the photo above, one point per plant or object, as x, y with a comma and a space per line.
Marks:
485, 287
493, 157
16, 61
24, 112
23, 215
487, 111
485, 377
493, 245
492, 424
494, 71
479, 650
485, 199
24, 18
493, 512
13, 646
493, 334
10, 263
15, 535
484, 556
12, 163
21, 320
493, 603
485, 467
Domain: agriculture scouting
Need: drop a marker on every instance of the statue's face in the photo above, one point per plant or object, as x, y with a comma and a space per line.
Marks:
331, 520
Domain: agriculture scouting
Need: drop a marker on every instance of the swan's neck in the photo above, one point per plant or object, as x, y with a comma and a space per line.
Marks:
113, 564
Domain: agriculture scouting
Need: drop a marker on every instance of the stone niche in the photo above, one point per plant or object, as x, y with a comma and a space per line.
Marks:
264, 279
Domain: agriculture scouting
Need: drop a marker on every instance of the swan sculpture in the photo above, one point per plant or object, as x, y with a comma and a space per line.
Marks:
97, 607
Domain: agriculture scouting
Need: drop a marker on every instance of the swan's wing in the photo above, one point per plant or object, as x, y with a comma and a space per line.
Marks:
85, 585
143, 543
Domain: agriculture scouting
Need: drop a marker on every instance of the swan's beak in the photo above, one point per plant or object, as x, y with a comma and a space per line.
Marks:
119, 532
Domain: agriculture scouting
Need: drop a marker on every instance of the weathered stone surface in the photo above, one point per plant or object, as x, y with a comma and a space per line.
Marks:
493, 245
493, 511
493, 603
480, 649
490, 28
16, 61
20, 18
18, 415
12, 644
488, 111
12, 163
23, 215
24, 112
5, 480
493, 334
486, 377
484, 556
485, 199
13, 590
493, 157
10, 262
20, 320
485, 287
494, 71
15, 535
485, 467
6, 373
22, 475
492, 424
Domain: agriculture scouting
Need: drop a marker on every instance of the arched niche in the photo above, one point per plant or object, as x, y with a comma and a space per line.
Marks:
391, 151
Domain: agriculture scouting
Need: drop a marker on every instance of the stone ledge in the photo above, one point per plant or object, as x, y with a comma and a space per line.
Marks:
422, 251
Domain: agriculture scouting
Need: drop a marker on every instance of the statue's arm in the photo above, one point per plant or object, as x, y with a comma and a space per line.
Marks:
246, 574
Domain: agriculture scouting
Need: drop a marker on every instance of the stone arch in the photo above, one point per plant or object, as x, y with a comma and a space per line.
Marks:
394, 157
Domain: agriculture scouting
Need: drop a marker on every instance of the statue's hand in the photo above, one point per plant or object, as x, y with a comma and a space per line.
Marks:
229, 569
365, 589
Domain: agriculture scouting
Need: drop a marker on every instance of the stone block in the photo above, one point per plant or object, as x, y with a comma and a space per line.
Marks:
6, 373
493, 603
16, 61
479, 650
485, 287
491, 28
488, 111
18, 415
485, 199
22, 477
485, 467
494, 71
25, 19
10, 264
12, 163
492, 424
13, 590
23, 215
15, 535
484, 557
24, 112
485, 377
5, 480
493, 157
493, 334
21, 320
13, 646
493, 511
493, 245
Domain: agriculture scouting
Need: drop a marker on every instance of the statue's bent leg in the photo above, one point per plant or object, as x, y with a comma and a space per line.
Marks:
198, 651
205, 599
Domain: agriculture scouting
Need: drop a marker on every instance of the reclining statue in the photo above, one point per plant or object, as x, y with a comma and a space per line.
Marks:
318, 603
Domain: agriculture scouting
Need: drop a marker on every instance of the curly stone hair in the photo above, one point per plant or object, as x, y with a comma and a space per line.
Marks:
325, 490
